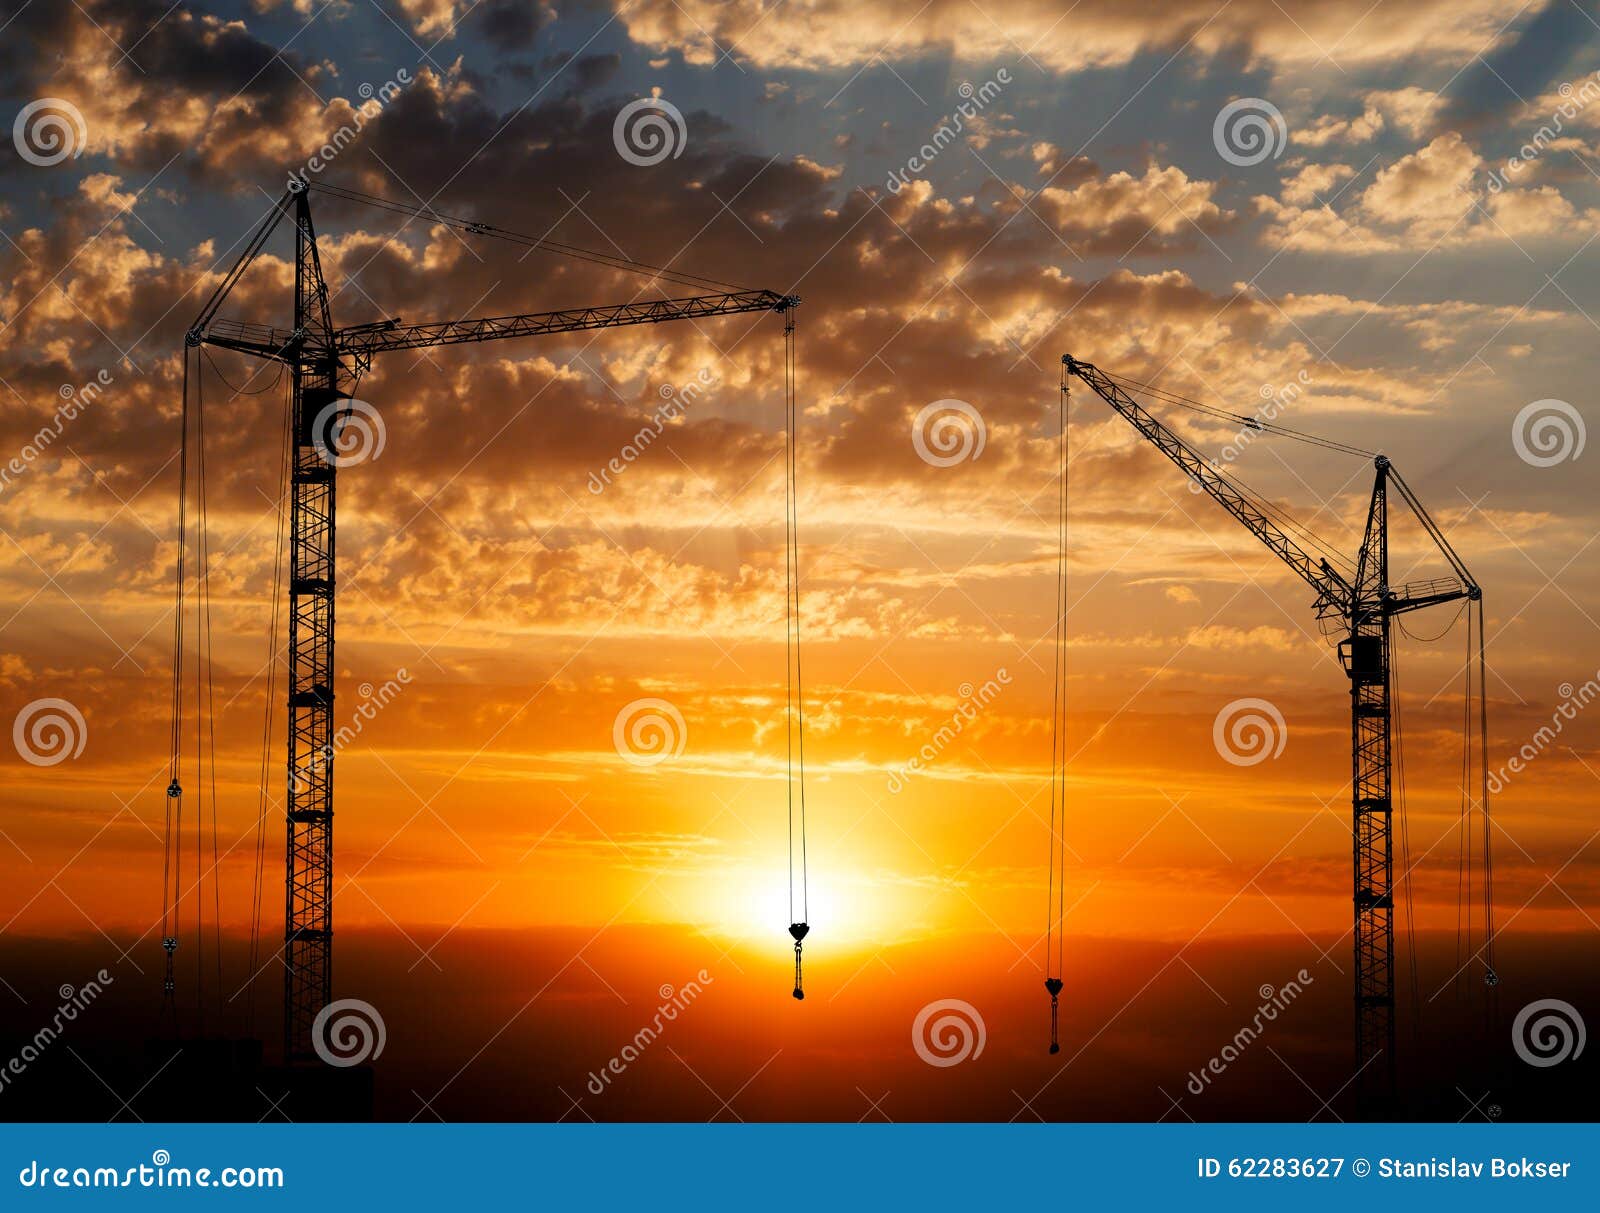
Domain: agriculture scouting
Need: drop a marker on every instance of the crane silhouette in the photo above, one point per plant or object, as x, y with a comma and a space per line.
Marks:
323, 360
1362, 605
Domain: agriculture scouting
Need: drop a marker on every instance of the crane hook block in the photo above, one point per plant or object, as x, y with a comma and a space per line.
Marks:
168, 985
1053, 984
798, 930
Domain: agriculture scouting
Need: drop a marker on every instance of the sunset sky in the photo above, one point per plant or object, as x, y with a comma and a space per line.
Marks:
1412, 256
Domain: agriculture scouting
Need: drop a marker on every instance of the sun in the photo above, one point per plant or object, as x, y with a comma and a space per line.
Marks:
844, 906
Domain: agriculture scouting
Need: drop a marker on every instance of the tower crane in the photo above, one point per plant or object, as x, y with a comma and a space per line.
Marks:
323, 362
1362, 606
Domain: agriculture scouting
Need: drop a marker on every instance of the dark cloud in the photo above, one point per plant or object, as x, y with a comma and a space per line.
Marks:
510, 24
1524, 64
140, 106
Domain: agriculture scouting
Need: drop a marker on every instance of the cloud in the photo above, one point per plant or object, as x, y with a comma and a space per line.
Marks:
839, 35
197, 90
1313, 181
530, 606
1158, 210
1527, 56
1411, 110
1438, 196
1425, 190
1330, 129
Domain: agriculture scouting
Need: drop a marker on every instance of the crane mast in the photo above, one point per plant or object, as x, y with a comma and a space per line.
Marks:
1365, 607
308, 887
323, 361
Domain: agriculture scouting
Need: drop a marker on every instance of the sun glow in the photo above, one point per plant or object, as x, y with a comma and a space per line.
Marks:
844, 905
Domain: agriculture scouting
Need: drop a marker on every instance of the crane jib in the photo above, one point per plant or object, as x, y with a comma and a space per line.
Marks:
1363, 606
364, 340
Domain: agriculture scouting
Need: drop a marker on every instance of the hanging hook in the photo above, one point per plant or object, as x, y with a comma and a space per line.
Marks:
169, 943
1053, 984
798, 930
168, 985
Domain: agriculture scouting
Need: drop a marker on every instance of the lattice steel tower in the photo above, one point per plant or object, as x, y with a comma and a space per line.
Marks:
1362, 608
323, 363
